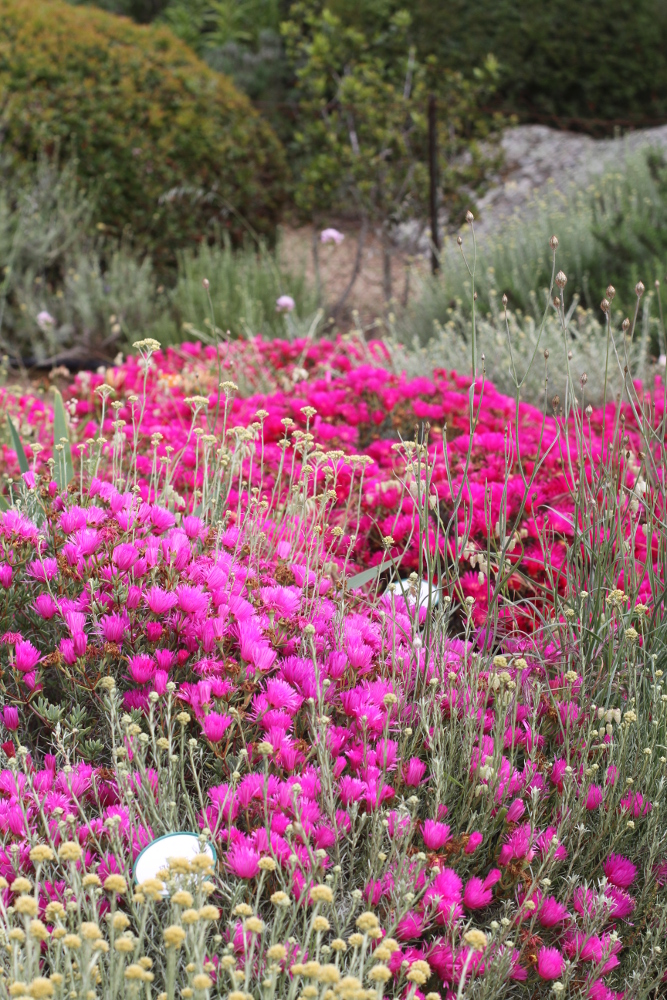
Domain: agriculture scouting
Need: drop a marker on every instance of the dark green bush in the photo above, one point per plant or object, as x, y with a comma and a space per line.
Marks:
577, 59
170, 148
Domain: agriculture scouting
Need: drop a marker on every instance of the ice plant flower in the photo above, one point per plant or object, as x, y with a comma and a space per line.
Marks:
550, 963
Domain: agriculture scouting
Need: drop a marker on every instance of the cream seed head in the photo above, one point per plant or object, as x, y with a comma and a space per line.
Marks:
321, 894
174, 936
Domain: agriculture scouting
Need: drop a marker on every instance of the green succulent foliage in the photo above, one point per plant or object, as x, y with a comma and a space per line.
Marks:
361, 137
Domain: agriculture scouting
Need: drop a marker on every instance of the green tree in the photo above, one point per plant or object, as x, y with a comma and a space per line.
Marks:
361, 140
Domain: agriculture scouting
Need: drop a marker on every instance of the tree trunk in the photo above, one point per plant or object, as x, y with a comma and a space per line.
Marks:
361, 240
386, 266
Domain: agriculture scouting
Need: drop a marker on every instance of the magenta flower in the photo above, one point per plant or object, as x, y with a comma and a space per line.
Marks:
193, 526
192, 600
517, 845
593, 797
414, 771
45, 606
215, 725
5, 575
87, 541
142, 668
72, 519
161, 519
10, 717
25, 655
66, 647
474, 840
551, 912
113, 627
124, 556
410, 927
435, 834
550, 963
475, 895
80, 642
17, 524
44, 569
166, 658
623, 904
515, 811
620, 871
160, 601
243, 861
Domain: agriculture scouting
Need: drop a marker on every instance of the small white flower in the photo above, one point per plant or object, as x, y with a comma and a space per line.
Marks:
285, 304
331, 236
45, 320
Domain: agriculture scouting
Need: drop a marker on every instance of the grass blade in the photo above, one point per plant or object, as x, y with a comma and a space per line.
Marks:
371, 574
18, 447
63, 470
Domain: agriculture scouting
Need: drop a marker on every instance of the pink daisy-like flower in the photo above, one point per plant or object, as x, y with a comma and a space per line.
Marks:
620, 871
550, 963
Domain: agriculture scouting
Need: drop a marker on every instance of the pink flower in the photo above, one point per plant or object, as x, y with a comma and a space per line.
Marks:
193, 526
192, 600
285, 304
243, 861
113, 627
475, 895
551, 912
72, 519
215, 726
594, 797
44, 569
142, 668
413, 771
5, 575
331, 236
634, 803
410, 927
623, 904
45, 606
474, 840
517, 845
160, 601
45, 321
620, 871
515, 811
26, 656
161, 519
165, 658
66, 647
153, 631
10, 717
435, 834
550, 963
124, 556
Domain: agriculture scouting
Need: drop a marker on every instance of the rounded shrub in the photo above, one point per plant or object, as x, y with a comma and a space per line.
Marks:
171, 149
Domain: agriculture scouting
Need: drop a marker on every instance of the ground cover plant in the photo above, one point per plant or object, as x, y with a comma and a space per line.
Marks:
450, 787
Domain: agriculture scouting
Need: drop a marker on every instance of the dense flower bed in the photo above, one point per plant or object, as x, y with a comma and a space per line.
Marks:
404, 799
358, 410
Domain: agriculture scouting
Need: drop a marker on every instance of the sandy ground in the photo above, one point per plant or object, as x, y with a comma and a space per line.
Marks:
337, 263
